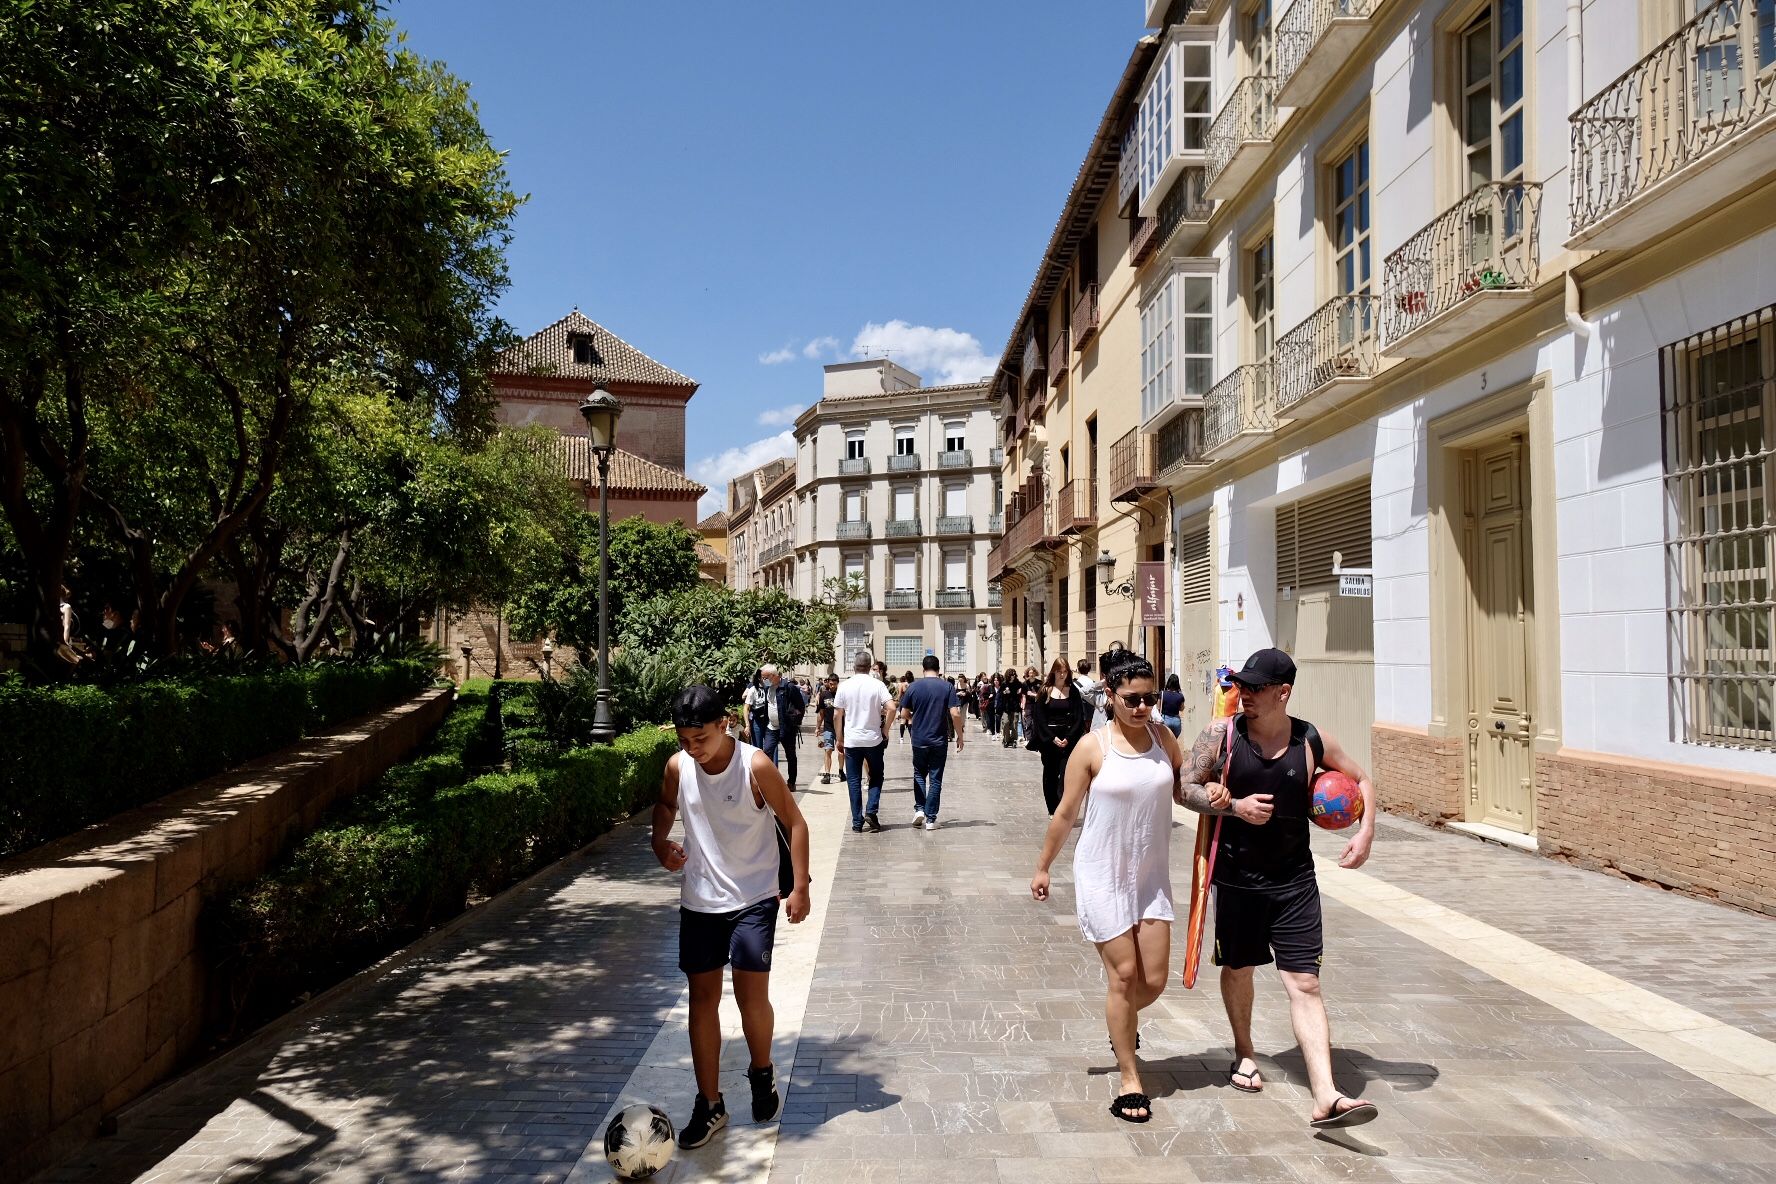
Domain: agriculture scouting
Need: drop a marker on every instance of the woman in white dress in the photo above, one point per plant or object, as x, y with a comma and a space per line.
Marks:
1126, 775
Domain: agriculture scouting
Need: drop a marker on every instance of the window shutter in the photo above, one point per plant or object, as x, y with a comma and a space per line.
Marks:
1311, 530
1193, 562
956, 500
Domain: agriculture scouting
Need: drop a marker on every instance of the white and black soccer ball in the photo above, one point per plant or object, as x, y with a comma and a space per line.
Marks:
638, 1142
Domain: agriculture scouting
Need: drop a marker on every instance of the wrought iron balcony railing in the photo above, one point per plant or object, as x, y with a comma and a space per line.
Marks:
996, 457
1336, 342
1484, 243
775, 552
1132, 471
1707, 85
1057, 357
955, 598
1179, 445
1085, 315
995, 523
859, 529
956, 524
956, 458
903, 462
995, 596
852, 466
1312, 39
1239, 405
1076, 506
903, 528
859, 602
1249, 116
900, 598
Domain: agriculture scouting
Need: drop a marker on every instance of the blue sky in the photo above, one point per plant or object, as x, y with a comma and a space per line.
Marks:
747, 190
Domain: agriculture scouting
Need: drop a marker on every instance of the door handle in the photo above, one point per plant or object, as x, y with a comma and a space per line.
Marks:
1498, 725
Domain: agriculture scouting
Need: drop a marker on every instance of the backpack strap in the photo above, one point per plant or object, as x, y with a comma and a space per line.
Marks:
1316, 751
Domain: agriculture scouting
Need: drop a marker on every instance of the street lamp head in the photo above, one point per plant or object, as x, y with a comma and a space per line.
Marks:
1106, 566
600, 410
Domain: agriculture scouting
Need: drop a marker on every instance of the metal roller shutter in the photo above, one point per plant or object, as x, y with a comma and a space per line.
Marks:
1311, 531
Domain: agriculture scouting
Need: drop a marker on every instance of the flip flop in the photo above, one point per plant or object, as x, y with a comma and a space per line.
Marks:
1233, 1071
1122, 1105
1356, 1114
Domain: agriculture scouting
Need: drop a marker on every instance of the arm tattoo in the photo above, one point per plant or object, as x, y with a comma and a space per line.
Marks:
1205, 755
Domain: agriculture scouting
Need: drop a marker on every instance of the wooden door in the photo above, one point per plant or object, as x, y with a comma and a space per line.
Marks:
1499, 720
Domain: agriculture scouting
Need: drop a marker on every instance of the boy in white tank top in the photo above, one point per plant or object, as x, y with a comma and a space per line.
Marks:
732, 799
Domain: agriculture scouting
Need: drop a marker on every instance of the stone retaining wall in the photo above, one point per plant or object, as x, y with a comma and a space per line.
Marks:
102, 987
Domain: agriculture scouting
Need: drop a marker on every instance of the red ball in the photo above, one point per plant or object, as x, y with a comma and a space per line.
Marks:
1337, 802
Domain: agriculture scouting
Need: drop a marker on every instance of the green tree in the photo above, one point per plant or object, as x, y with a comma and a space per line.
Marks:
723, 636
204, 209
647, 560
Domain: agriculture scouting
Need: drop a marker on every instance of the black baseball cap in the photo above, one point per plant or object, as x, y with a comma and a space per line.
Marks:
1266, 668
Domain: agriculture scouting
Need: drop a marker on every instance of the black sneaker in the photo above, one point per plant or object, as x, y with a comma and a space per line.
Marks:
766, 1102
873, 823
705, 1121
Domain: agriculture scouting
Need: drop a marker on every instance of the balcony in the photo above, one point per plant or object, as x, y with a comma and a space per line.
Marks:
1239, 412
999, 559
903, 528
1179, 225
1156, 11
956, 524
1313, 39
1034, 367
1178, 447
1076, 508
1036, 410
900, 599
1692, 122
995, 523
1331, 355
858, 603
1240, 138
904, 462
1469, 269
1143, 240
995, 596
855, 530
853, 466
776, 551
955, 598
957, 458
996, 457
1132, 471
1085, 315
1058, 359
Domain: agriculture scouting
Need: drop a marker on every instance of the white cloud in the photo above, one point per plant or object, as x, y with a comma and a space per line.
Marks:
940, 355
780, 417
716, 471
821, 345
778, 356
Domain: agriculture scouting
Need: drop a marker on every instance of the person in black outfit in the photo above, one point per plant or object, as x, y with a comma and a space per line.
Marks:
1059, 717
1267, 900
1011, 700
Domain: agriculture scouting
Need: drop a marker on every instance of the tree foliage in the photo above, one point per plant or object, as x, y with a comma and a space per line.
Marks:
723, 636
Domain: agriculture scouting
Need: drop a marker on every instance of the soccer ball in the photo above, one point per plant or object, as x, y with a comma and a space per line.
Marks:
638, 1142
1337, 802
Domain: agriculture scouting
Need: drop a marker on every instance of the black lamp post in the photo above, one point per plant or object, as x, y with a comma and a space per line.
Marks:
600, 410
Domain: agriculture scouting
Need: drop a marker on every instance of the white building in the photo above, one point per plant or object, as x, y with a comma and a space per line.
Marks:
898, 483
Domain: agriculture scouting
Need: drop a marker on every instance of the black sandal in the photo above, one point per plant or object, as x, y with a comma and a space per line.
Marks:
1356, 1114
1127, 1102
1233, 1071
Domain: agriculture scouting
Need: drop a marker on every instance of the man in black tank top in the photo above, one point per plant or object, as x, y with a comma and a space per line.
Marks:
1267, 900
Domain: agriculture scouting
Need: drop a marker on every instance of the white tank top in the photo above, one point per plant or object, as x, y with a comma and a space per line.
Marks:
730, 843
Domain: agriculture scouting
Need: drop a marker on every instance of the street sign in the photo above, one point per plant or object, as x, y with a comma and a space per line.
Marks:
1353, 584
1150, 584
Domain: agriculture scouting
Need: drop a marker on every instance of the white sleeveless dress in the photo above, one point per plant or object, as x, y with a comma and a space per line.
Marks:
1122, 871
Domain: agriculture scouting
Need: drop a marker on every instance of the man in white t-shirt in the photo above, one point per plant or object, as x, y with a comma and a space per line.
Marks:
860, 728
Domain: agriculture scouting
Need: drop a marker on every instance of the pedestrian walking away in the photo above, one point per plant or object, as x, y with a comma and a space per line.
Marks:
1125, 775
1011, 706
731, 799
861, 716
823, 723
1171, 705
775, 709
1060, 718
931, 710
1266, 895
1032, 688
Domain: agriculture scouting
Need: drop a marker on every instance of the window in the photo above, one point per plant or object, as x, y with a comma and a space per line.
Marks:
955, 500
853, 506
1260, 32
904, 506
1177, 342
584, 353
1719, 402
1173, 118
1261, 297
1066, 465
1061, 613
902, 651
903, 442
1492, 95
1351, 263
955, 571
955, 647
854, 644
955, 436
853, 445
904, 578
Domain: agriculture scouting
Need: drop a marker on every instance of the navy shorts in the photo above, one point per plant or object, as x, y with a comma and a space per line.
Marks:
710, 941
1251, 923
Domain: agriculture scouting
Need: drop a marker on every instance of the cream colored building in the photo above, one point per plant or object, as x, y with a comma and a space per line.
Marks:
897, 483
1453, 344
751, 528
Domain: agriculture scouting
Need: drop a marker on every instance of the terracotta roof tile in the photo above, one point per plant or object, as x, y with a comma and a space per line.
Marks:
628, 473
716, 521
549, 351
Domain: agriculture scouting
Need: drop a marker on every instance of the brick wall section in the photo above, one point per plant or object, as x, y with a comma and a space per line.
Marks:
1702, 831
102, 989
1417, 775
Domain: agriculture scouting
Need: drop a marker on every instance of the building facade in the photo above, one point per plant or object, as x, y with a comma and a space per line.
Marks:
1456, 376
749, 522
897, 486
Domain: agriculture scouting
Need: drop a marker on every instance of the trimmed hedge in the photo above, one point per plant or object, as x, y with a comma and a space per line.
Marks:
74, 755
413, 851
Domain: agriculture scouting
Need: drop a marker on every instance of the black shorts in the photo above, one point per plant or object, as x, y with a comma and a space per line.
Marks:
710, 941
1250, 923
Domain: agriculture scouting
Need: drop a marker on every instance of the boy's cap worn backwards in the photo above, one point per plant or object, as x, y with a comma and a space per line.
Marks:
1266, 668
697, 706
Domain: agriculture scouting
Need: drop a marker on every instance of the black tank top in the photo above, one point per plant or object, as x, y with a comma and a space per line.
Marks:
1276, 854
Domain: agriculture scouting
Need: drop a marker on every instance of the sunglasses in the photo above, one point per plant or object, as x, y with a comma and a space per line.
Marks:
1134, 702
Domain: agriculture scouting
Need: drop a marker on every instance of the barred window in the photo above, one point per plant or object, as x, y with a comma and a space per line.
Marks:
955, 647
1719, 402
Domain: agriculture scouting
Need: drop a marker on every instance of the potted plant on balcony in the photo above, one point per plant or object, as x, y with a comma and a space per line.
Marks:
1413, 303
1346, 364
1492, 277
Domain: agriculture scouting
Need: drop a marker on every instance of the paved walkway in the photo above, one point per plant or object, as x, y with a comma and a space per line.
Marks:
1516, 1020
